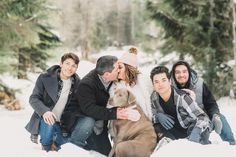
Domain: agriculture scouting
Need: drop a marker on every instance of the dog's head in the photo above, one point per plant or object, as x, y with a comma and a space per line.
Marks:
122, 98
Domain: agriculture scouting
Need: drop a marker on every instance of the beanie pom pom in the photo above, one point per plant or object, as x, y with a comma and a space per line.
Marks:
133, 50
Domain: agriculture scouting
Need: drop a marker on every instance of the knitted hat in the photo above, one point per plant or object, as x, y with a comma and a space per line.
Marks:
130, 57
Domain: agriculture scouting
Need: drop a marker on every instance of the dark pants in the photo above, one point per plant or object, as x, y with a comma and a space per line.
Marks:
99, 143
82, 130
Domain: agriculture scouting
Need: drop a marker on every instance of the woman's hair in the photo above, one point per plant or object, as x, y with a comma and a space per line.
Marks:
129, 59
131, 74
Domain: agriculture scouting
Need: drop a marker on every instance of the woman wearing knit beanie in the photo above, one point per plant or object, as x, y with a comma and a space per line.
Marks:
130, 78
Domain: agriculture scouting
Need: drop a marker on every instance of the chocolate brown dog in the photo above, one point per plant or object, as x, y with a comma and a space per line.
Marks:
132, 139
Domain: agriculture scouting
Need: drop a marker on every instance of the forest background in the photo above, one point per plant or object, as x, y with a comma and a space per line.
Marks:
202, 32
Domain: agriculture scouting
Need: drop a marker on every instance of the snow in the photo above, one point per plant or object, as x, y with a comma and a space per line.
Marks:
15, 139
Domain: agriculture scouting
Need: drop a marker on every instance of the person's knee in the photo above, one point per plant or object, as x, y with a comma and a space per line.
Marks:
226, 129
223, 118
90, 122
82, 131
45, 126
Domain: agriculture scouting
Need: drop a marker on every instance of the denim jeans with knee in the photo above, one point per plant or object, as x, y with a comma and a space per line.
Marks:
51, 133
226, 132
83, 129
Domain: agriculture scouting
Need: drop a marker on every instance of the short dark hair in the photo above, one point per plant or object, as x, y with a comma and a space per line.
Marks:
158, 70
105, 64
70, 55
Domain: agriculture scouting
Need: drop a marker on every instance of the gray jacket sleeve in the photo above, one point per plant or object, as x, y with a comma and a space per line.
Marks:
203, 121
36, 98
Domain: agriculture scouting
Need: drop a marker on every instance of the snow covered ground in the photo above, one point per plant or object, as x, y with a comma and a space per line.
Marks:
14, 139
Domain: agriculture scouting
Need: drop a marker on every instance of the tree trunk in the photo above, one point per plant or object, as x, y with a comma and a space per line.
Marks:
21, 69
234, 49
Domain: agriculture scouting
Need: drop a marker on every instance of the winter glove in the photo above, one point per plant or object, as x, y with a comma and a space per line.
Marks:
195, 135
217, 123
165, 120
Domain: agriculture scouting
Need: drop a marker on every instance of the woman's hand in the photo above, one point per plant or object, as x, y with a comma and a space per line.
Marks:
128, 113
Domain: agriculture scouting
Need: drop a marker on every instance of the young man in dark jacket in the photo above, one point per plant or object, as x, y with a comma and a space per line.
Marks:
183, 77
175, 114
54, 100
93, 97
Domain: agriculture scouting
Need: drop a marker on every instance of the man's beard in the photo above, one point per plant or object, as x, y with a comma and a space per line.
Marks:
182, 85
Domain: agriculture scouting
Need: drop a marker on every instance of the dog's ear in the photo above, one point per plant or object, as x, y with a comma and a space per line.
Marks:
131, 97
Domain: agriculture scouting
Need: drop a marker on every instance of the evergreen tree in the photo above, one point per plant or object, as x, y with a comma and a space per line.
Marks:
24, 36
202, 29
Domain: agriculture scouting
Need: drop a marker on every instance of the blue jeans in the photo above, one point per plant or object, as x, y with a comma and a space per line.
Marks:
83, 129
226, 132
51, 133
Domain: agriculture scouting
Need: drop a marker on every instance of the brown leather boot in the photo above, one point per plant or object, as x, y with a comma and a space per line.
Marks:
54, 147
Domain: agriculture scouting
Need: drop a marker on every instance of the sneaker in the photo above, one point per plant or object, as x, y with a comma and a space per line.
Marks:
55, 147
47, 148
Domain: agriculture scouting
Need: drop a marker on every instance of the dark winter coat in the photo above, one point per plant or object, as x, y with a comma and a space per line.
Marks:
93, 98
45, 96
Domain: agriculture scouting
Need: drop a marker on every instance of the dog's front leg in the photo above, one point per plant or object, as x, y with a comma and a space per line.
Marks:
112, 152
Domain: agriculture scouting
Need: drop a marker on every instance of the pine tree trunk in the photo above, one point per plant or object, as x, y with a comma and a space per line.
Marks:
234, 45
21, 73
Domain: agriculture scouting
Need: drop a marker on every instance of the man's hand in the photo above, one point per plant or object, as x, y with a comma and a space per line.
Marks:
49, 117
128, 113
191, 93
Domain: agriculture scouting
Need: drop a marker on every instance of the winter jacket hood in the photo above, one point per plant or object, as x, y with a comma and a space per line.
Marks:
193, 77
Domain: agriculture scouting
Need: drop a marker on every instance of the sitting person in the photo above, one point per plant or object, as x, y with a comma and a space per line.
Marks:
55, 103
183, 77
175, 114
93, 95
130, 78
